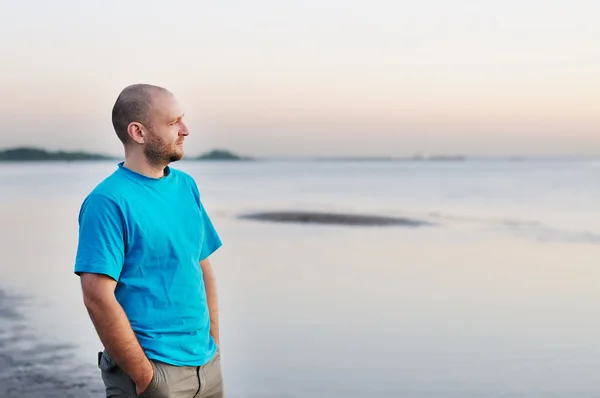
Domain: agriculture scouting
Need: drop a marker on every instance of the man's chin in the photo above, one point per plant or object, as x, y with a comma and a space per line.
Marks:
176, 157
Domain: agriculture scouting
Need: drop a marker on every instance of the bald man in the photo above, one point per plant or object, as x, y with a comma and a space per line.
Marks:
143, 259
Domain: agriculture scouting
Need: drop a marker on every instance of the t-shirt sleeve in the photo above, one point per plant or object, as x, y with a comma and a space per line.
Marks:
101, 245
211, 241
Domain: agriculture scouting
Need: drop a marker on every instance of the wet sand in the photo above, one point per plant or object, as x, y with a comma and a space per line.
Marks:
29, 368
334, 219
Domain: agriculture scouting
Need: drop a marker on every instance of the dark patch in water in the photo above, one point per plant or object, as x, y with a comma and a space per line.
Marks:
31, 369
333, 219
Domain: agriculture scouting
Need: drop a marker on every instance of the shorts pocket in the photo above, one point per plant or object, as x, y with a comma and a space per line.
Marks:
158, 387
117, 383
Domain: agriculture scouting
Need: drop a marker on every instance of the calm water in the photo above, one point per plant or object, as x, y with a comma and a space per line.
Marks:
499, 299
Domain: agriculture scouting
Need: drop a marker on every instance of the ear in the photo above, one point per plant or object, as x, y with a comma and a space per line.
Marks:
137, 132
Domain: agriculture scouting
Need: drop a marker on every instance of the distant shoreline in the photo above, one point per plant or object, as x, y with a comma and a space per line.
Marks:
28, 154
33, 154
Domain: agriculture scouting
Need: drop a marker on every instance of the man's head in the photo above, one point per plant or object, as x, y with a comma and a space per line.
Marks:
148, 118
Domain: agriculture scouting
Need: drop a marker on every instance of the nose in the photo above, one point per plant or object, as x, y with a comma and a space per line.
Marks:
184, 130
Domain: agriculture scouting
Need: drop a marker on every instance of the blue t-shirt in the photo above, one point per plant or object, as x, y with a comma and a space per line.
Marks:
149, 234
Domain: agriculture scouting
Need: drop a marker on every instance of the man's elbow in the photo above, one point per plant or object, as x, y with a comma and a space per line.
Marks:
205, 265
98, 290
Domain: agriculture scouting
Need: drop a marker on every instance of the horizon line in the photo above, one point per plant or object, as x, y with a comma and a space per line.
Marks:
415, 157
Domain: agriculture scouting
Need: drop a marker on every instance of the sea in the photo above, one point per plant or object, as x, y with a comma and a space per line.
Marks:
497, 295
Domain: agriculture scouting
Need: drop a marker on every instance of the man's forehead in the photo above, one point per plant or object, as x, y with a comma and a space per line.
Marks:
167, 104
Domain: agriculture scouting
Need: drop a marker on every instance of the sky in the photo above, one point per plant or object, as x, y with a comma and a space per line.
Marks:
307, 77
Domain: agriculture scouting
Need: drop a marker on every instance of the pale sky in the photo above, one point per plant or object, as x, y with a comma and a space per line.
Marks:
307, 77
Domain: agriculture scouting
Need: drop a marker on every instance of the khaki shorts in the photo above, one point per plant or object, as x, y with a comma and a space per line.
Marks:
168, 382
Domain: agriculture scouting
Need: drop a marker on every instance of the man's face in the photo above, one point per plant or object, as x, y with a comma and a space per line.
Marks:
164, 143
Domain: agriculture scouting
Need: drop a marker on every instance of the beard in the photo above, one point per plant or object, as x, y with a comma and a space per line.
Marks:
160, 153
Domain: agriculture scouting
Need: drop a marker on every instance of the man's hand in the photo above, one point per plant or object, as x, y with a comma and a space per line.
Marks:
142, 385
114, 329
211, 297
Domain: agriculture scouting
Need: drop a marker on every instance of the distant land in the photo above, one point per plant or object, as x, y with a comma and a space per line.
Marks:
29, 154
32, 154
220, 154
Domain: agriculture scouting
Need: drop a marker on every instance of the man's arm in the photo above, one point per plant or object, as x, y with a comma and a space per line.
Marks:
211, 297
114, 329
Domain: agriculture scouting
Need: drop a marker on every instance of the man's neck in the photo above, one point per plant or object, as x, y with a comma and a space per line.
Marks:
143, 167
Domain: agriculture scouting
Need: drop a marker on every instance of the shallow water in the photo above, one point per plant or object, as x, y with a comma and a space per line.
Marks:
30, 368
498, 299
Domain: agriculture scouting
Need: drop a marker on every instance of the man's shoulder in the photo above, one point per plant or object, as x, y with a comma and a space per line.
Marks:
107, 192
184, 178
110, 187
180, 174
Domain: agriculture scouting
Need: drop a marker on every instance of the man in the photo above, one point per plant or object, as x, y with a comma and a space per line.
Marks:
143, 260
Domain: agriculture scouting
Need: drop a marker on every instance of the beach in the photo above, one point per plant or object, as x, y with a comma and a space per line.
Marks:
496, 295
